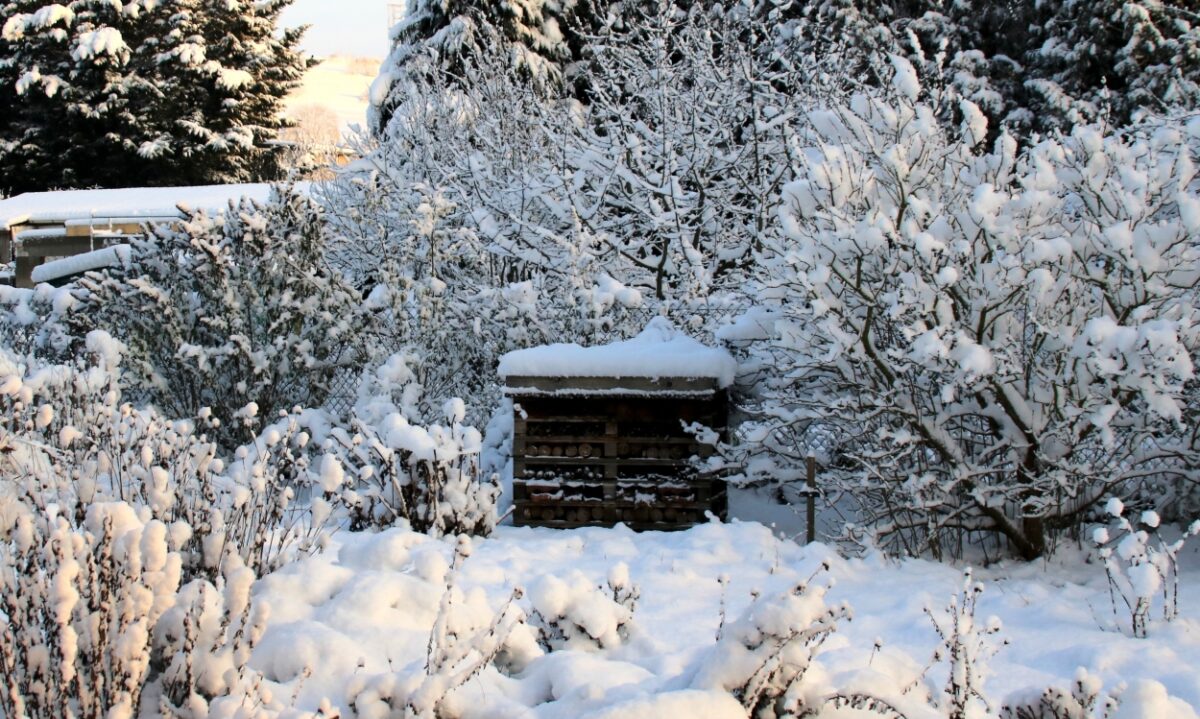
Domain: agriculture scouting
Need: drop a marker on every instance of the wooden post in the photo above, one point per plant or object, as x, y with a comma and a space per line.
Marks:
811, 514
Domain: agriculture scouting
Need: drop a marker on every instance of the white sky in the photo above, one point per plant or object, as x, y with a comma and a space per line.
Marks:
342, 27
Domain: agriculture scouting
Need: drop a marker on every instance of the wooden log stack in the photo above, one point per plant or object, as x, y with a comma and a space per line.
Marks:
598, 458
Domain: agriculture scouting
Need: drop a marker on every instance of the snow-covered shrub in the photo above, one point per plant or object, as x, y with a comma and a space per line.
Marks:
495, 455
574, 613
963, 650
764, 656
965, 647
94, 623
439, 296
46, 412
79, 608
1140, 564
465, 639
73, 442
222, 310
392, 469
271, 504
1087, 699
1082, 701
506, 219
202, 645
31, 321
669, 163
995, 340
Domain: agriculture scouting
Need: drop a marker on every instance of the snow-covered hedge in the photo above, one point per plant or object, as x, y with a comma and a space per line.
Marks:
227, 309
70, 441
387, 466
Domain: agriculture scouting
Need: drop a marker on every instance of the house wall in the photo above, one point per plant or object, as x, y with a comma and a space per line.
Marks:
33, 245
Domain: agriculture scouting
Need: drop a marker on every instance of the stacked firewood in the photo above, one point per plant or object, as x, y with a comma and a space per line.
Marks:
654, 451
637, 515
565, 473
581, 450
643, 514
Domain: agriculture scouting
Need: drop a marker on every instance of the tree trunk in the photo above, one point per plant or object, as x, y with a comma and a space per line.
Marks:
1034, 531
1028, 538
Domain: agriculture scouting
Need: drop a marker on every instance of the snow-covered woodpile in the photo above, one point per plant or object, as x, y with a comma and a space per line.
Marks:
601, 433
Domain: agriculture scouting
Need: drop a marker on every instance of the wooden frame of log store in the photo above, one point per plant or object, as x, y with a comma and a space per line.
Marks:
598, 432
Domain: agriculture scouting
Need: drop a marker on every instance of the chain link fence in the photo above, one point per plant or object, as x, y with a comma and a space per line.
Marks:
343, 392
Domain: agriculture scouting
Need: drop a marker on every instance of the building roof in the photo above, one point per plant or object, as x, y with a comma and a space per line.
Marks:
130, 204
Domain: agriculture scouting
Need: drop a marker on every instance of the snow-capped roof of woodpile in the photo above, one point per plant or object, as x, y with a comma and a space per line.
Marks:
130, 203
660, 351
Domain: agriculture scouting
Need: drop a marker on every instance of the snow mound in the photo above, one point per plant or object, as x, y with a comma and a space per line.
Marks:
360, 615
661, 350
687, 703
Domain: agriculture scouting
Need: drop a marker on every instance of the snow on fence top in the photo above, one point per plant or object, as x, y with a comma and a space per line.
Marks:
133, 203
659, 351
85, 262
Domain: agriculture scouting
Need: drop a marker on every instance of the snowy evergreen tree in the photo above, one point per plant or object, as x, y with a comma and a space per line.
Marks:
1030, 66
539, 39
148, 93
1089, 60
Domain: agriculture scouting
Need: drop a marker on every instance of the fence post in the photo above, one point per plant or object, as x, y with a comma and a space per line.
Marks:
811, 518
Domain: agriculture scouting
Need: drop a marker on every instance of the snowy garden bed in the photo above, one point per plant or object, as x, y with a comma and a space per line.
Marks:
345, 623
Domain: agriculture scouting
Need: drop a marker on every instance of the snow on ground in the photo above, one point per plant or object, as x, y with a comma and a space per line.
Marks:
339, 85
364, 608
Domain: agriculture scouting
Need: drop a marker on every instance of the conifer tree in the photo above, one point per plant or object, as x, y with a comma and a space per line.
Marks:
1091, 59
544, 40
147, 93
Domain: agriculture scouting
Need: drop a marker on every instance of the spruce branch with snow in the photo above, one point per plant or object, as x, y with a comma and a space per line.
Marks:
1109, 59
539, 42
